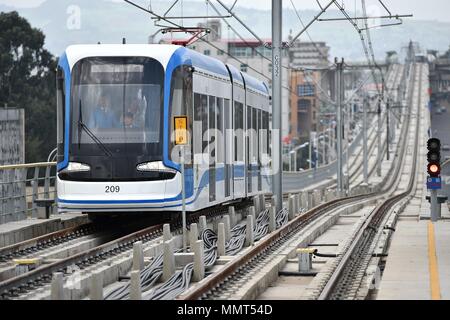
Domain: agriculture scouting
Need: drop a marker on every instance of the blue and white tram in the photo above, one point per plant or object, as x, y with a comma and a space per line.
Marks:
116, 108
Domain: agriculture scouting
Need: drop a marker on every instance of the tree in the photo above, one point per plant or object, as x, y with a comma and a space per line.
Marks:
27, 80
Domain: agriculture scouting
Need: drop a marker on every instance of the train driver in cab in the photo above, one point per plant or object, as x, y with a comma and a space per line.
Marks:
103, 116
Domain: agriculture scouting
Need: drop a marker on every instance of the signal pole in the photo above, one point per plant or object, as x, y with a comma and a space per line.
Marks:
379, 155
277, 187
339, 97
388, 131
366, 172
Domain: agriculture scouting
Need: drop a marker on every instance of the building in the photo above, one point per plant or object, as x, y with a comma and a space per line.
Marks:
311, 82
440, 76
304, 106
309, 54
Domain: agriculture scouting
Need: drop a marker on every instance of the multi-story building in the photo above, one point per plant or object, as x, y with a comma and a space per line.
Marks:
440, 76
311, 85
304, 106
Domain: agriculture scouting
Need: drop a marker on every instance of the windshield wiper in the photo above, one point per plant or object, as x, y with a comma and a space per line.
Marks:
81, 125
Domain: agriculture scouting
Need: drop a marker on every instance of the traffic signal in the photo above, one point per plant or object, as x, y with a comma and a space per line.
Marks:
434, 157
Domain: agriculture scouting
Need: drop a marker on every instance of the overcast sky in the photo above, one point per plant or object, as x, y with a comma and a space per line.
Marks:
422, 9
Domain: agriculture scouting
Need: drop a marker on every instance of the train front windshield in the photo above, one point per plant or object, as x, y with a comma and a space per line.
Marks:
117, 111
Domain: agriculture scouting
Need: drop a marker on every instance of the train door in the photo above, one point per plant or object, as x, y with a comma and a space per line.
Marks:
259, 149
239, 146
227, 147
249, 148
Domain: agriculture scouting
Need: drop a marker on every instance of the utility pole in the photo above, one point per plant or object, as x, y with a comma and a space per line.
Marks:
339, 82
379, 139
347, 143
310, 151
365, 154
277, 186
388, 131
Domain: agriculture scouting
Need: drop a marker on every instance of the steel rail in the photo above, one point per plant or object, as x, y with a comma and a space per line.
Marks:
60, 236
29, 280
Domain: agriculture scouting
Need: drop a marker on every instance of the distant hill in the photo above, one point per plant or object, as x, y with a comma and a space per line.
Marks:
108, 22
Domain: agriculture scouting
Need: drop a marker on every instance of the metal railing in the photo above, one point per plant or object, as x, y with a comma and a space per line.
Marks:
21, 185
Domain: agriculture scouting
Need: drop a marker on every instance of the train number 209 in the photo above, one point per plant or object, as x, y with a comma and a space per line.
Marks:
112, 189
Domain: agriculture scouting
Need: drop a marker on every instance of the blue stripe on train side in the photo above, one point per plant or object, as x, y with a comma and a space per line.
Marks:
64, 64
204, 181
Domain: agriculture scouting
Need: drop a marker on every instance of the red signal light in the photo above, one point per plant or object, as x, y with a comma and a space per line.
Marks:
434, 169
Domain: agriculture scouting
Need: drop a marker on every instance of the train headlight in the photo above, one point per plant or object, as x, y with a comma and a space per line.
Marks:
155, 166
77, 167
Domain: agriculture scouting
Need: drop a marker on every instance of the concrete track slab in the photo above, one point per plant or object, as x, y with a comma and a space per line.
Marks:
17, 231
407, 272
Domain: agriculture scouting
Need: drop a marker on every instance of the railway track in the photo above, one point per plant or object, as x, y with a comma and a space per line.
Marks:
14, 287
356, 258
41, 276
217, 284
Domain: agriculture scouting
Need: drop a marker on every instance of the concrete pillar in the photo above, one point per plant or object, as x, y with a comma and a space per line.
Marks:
273, 202
57, 287
305, 200
199, 263
202, 226
221, 239
138, 256
262, 202
168, 260
232, 214
272, 219
135, 285
292, 207
311, 203
319, 196
252, 212
96, 292
166, 232
256, 204
249, 236
298, 202
226, 222
193, 234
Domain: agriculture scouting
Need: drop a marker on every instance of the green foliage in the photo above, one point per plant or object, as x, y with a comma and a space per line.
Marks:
27, 80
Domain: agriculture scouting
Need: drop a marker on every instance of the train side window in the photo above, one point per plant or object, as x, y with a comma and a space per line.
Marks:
212, 127
249, 135
181, 102
197, 141
228, 131
254, 135
239, 131
265, 133
204, 108
60, 111
258, 136
220, 132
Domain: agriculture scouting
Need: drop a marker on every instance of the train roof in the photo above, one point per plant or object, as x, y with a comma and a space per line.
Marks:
235, 74
170, 56
254, 83
160, 52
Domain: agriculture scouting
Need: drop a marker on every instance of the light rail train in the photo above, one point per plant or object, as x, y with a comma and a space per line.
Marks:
116, 111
